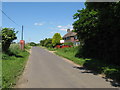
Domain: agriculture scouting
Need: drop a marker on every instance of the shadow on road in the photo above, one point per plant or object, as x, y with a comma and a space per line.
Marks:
85, 70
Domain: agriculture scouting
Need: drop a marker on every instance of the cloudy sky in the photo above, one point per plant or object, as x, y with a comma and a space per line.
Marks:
40, 19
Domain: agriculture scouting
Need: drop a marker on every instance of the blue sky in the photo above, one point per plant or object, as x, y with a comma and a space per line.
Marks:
40, 19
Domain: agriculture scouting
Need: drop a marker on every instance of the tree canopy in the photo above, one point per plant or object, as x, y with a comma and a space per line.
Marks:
8, 35
98, 27
46, 42
56, 39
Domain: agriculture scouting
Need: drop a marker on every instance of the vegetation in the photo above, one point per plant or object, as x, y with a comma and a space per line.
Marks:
51, 42
27, 46
68, 43
56, 39
97, 30
32, 44
46, 43
13, 59
13, 64
8, 35
70, 53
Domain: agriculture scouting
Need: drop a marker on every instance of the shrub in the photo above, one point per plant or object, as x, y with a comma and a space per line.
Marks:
113, 73
68, 43
32, 44
8, 35
47, 43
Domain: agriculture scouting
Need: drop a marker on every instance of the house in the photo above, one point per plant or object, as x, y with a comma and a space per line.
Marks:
71, 37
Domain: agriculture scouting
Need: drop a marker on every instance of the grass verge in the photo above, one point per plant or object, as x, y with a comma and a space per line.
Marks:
69, 53
13, 65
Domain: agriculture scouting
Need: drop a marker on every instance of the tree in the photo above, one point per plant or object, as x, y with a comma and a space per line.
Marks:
47, 42
98, 27
42, 42
56, 39
33, 44
8, 35
86, 24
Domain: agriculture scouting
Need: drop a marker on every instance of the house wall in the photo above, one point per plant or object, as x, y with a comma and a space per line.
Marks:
72, 39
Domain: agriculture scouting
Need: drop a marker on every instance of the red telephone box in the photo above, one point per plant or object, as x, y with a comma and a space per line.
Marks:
22, 44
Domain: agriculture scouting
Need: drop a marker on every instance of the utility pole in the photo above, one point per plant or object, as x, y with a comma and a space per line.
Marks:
22, 33
22, 42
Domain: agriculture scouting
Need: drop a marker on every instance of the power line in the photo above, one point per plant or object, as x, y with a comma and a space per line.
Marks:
10, 18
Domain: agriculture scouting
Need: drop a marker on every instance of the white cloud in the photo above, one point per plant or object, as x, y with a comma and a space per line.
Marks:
38, 24
64, 28
59, 26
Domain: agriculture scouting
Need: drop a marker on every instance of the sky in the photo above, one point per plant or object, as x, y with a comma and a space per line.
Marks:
40, 19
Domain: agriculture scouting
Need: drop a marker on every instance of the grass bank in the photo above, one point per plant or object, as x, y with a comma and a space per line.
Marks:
97, 66
13, 65
69, 53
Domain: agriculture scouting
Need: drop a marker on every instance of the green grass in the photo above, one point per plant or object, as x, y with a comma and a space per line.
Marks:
13, 65
52, 49
27, 47
69, 53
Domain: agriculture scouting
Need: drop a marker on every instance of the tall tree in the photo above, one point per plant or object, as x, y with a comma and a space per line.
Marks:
56, 39
98, 26
47, 42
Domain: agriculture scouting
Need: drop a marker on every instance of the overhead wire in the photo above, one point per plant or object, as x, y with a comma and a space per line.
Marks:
9, 18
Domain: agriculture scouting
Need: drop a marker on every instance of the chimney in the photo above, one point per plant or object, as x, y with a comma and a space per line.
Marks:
68, 30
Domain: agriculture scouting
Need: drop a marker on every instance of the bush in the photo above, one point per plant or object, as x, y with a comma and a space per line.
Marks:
49, 46
46, 43
68, 43
27, 46
33, 44
113, 73
8, 35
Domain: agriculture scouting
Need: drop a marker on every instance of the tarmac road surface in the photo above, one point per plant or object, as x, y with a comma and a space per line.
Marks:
47, 70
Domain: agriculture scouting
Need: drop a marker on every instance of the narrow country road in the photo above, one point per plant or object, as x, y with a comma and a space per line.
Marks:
46, 70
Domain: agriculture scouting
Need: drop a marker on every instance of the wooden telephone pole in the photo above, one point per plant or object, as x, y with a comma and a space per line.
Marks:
22, 33
22, 42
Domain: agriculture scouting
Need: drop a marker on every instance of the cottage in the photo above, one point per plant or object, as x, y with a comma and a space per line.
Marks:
71, 37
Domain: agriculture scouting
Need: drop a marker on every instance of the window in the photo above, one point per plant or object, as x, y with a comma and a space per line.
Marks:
75, 37
67, 38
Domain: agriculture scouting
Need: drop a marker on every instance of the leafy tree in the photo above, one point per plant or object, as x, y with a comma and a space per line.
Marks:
8, 35
33, 44
47, 42
86, 24
98, 27
42, 42
56, 39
